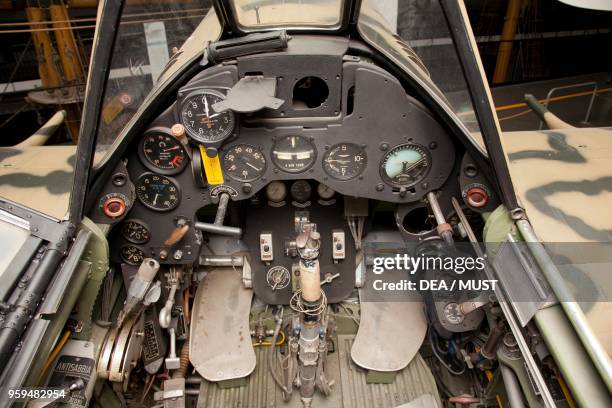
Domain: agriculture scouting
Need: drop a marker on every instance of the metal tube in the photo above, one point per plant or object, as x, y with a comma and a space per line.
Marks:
222, 208
444, 229
572, 309
513, 388
219, 229
221, 260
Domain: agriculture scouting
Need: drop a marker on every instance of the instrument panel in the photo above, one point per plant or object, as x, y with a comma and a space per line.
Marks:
379, 144
382, 144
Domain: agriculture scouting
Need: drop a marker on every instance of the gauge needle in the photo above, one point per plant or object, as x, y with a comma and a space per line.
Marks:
214, 115
206, 105
253, 167
412, 166
155, 199
172, 148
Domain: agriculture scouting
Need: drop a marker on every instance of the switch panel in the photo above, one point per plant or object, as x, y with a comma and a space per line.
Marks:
266, 250
339, 245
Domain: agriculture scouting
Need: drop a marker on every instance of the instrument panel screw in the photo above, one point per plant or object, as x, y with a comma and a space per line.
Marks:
433, 145
380, 187
246, 188
384, 147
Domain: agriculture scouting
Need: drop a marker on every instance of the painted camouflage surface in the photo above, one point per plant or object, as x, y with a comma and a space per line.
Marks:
38, 177
563, 178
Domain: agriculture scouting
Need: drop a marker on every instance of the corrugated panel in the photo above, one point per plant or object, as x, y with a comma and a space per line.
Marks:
410, 383
349, 391
260, 391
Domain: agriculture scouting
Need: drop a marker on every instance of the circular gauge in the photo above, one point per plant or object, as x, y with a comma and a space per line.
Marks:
405, 165
276, 191
162, 153
202, 122
325, 192
132, 255
293, 154
135, 231
157, 192
244, 162
345, 161
278, 277
301, 191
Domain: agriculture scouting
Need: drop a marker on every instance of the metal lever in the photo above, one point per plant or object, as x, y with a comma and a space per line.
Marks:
329, 278
217, 227
444, 229
172, 361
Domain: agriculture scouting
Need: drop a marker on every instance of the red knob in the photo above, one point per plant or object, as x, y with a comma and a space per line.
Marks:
477, 197
114, 207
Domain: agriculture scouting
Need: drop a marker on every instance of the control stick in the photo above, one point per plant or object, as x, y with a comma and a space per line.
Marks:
217, 227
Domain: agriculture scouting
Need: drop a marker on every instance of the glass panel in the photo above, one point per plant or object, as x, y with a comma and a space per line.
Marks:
146, 54
287, 13
423, 46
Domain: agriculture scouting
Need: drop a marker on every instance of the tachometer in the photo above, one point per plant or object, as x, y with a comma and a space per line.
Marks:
157, 192
135, 231
293, 154
244, 162
162, 153
405, 165
345, 161
202, 122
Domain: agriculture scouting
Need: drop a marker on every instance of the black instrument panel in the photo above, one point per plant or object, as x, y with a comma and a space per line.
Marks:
382, 144
379, 143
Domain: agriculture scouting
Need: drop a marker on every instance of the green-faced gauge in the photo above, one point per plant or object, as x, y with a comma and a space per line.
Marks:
405, 165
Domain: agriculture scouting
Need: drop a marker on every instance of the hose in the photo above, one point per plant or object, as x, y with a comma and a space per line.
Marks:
60, 345
272, 360
269, 343
439, 357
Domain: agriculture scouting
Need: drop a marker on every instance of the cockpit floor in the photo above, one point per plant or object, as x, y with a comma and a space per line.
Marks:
350, 389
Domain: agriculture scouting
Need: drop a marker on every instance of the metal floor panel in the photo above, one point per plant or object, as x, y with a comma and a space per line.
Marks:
220, 347
410, 383
349, 391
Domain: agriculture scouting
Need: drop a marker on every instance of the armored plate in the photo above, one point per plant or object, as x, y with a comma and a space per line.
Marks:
220, 347
390, 335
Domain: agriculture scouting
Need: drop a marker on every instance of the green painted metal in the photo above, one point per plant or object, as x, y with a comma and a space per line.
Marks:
97, 254
587, 387
518, 366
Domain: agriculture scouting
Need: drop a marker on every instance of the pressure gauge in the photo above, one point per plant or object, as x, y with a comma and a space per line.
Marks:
325, 192
276, 191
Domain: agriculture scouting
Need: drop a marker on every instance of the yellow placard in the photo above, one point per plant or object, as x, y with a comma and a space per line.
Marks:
212, 168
